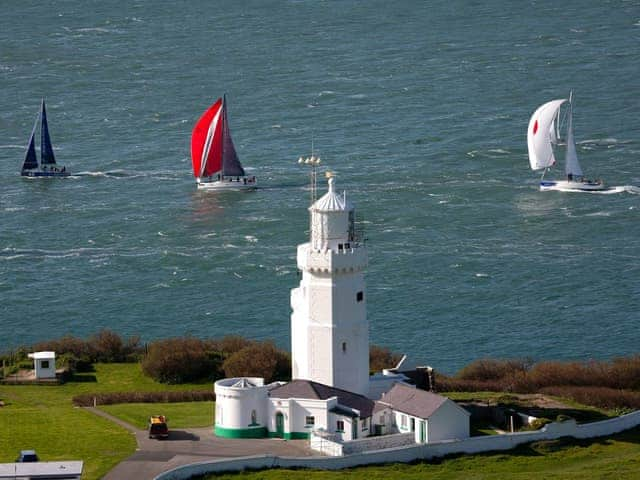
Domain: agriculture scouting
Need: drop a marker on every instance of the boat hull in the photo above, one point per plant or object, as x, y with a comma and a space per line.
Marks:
40, 173
243, 183
572, 186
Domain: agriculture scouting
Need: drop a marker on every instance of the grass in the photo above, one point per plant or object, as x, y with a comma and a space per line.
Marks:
43, 418
179, 415
564, 459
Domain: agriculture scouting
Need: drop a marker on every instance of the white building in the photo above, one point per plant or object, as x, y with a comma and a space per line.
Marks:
329, 326
331, 389
432, 417
44, 364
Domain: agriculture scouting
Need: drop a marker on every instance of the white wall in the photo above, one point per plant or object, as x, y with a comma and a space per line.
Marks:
410, 453
295, 412
447, 422
45, 372
235, 404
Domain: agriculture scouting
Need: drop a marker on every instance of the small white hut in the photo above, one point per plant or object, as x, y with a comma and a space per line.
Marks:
44, 364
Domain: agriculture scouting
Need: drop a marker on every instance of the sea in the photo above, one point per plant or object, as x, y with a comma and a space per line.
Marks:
420, 110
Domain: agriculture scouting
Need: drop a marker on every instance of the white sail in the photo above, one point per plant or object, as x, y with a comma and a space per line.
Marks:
539, 135
572, 166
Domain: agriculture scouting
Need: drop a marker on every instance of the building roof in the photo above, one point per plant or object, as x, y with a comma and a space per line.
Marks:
48, 470
42, 355
412, 401
331, 201
318, 391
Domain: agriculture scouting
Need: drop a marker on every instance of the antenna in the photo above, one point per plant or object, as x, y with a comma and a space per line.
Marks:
312, 162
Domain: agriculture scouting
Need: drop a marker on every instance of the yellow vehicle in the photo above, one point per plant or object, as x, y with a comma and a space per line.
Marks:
158, 427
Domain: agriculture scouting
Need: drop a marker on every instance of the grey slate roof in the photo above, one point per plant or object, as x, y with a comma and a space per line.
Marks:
318, 391
412, 401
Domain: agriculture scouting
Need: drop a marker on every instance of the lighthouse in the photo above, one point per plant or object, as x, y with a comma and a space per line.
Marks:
329, 326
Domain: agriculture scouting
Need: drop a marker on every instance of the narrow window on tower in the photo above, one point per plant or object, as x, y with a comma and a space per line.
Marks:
359, 296
344, 347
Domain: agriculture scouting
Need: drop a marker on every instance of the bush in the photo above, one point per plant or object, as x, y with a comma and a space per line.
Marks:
231, 344
87, 399
259, 360
181, 360
381, 358
489, 370
601, 397
105, 346
537, 424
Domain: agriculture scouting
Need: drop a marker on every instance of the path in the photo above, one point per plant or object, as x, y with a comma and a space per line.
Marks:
190, 445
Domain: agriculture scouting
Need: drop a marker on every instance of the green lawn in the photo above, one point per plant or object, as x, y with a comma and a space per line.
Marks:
611, 458
43, 418
179, 415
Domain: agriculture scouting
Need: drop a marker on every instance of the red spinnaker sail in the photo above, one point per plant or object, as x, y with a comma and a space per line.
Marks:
206, 142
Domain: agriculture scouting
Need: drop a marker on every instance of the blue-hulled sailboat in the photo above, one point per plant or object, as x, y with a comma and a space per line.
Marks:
47, 166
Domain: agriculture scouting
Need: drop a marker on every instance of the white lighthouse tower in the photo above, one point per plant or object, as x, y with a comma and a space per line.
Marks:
329, 326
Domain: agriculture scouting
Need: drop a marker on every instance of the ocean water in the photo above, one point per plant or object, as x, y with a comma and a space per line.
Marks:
421, 110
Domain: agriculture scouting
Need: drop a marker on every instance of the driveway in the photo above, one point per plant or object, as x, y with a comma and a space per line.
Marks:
192, 445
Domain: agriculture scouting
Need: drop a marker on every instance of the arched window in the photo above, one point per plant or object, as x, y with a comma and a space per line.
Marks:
254, 417
344, 347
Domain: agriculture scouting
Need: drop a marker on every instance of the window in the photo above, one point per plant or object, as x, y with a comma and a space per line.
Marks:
340, 426
360, 296
344, 347
44, 364
403, 422
364, 425
309, 421
254, 417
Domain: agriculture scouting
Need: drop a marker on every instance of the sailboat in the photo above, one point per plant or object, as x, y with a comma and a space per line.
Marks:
542, 135
47, 166
215, 162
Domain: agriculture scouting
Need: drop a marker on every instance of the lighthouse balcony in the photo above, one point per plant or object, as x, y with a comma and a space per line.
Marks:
345, 258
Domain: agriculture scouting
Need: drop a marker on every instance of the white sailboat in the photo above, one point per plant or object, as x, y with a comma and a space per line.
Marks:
215, 162
542, 134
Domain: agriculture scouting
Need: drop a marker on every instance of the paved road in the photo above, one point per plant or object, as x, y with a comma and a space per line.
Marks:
191, 445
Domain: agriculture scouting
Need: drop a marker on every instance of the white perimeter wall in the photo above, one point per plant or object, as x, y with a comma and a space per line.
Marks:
411, 453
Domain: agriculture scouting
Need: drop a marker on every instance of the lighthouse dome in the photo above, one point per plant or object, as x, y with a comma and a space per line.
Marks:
331, 201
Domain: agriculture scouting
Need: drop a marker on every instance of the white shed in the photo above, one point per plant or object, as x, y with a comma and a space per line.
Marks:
432, 417
44, 364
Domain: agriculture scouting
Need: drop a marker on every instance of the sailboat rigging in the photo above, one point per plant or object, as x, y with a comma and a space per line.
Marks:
216, 165
47, 166
542, 135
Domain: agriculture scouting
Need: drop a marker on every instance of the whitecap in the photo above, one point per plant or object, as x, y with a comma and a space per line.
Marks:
250, 238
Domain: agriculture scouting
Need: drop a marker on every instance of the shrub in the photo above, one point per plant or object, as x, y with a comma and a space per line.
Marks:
381, 358
105, 346
602, 397
488, 369
87, 399
259, 360
537, 424
231, 344
181, 360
